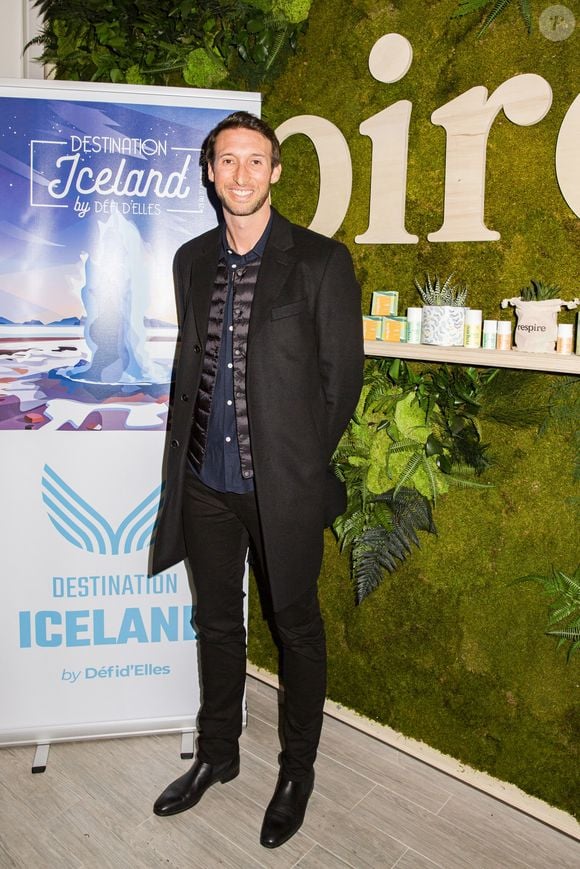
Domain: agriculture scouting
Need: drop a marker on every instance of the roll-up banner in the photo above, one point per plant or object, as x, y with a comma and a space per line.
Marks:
99, 185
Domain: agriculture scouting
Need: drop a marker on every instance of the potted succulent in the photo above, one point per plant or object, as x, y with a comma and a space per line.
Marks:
443, 312
537, 309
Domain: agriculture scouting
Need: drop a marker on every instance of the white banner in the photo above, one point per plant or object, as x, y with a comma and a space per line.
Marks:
99, 185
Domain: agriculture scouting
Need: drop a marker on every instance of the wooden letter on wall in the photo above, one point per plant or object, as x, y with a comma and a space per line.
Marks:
568, 157
335, 168
467, 120
389, 61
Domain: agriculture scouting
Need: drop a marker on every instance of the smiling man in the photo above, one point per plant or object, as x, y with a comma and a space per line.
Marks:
269, 373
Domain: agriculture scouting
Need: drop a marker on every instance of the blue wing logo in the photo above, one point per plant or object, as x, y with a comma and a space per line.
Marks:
83, 526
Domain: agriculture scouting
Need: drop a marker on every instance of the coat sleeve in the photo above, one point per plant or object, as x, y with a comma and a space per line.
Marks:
340, 342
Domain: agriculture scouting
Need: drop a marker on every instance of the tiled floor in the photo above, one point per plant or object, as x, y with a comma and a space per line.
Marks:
372, 806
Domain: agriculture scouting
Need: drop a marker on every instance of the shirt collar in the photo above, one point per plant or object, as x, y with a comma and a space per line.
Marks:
255, 253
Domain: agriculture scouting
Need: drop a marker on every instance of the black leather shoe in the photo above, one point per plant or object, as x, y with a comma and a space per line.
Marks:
286, 811
188, 790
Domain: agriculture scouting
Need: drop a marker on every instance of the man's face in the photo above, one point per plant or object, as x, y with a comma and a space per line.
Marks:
242, 171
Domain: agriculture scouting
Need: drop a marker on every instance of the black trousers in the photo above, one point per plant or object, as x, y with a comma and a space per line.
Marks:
219, 528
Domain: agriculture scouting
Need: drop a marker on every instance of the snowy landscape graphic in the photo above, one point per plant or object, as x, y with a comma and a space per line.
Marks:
94, 200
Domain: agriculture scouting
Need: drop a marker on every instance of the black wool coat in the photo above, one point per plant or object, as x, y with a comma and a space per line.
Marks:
303, 379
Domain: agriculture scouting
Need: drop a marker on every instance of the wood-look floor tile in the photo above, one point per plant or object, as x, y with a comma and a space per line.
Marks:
85, 831
45, 794
521, 837
239, 819
319, 858
372, 807
354, 841
432, 835
185, 841
412, 860
26, 842
380, 769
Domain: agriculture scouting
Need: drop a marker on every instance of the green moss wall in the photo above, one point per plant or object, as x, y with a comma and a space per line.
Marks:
446, 650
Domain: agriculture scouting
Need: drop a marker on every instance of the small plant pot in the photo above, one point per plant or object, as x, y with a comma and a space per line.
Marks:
442, 325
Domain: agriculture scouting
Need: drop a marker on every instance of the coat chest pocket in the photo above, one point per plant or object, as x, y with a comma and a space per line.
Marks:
289, 310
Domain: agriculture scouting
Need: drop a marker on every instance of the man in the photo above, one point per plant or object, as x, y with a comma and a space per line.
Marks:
269, 373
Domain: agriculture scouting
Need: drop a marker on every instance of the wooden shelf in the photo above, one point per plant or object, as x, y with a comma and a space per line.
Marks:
555, 362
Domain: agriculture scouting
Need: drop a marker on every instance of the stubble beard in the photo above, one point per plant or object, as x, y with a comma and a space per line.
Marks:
242, 209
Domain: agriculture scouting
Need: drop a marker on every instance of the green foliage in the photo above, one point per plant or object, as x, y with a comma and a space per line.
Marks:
203, 69
411, 435
450, 401
435, 293
538, 291
564, 612
168, 42
564, 415
294, 11
466, 7
378, 547
516, 399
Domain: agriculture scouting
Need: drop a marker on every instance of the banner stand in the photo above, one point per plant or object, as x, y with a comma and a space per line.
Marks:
99, 185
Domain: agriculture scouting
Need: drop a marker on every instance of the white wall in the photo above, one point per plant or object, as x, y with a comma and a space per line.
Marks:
19, 23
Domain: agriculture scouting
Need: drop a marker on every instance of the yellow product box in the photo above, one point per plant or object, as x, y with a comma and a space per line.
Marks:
385, 303
373, 328
394, 329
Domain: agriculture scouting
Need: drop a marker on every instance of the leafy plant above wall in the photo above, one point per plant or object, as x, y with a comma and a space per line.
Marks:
564, 613
166, 41
466, 7
412, 435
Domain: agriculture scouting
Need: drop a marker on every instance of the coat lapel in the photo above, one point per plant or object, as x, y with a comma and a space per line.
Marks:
277, 263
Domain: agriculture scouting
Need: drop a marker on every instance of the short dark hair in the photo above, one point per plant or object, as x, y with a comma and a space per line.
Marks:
239, 120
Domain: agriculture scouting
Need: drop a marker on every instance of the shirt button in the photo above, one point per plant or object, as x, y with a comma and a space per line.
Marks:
231, 328
234, 265
247, 473
196, 348
185, 396
230, 365
228, 439
237, 352
229, 402
174, 444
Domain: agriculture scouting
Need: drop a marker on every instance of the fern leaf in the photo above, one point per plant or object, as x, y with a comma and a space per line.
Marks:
466, 483
561, 611
405, 446
570, 582
548, 582
526, 13
466, 7
277, 47
567, 633
369, 556
410, 509
428, 468
409, 471
382, 514
497, 10
378, 549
